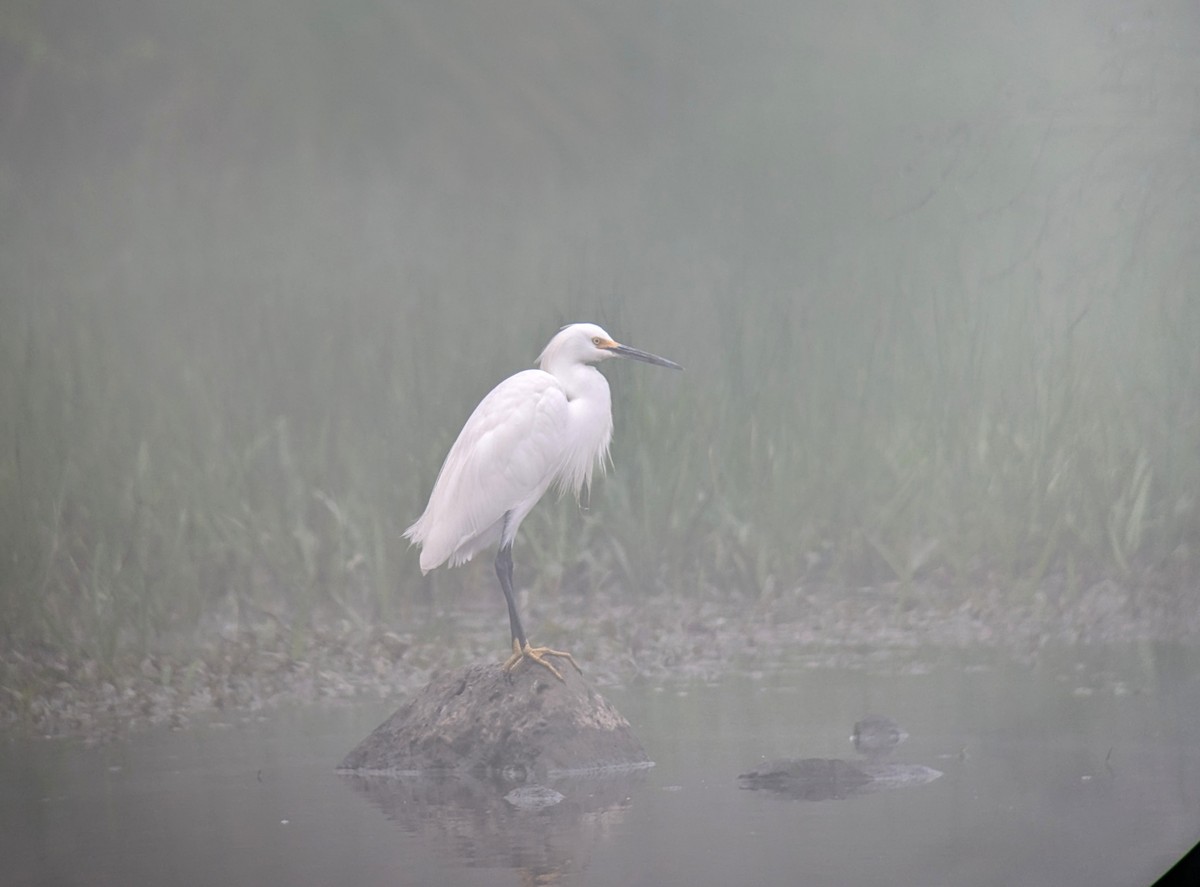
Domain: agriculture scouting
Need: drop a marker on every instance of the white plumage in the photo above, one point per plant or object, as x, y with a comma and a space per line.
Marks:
543, 427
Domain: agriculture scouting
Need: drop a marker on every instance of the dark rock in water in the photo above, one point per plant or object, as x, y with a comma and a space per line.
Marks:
518, 725
813, 779
877, 735
821, 779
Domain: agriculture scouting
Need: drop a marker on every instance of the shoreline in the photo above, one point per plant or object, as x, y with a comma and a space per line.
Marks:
257, 665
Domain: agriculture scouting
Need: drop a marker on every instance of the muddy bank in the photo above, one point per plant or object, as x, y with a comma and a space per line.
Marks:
255, 664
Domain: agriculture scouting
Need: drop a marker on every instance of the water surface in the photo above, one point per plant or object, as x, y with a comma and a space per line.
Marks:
1080, 768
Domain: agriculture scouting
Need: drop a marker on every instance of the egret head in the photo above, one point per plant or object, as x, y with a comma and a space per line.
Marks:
588, 343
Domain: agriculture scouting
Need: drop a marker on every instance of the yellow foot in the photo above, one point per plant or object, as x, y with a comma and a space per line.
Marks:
537, 654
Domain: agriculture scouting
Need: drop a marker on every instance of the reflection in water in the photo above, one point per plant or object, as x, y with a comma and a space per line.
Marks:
484, 822
1083, 771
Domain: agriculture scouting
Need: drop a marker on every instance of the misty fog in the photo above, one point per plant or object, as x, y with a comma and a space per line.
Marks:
931, 268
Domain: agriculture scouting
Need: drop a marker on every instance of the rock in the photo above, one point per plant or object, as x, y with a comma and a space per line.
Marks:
876, 736
811, 779
819, 779
822, 779
521, 725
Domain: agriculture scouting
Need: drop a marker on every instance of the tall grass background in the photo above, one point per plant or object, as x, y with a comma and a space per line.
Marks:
934, 285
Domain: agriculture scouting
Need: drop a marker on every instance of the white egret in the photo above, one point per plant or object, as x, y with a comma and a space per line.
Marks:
539, 427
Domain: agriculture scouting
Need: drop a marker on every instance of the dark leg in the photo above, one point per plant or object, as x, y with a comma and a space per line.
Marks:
504, 568
521, 648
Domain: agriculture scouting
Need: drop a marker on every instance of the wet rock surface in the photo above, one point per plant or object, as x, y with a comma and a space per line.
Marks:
819, 779
822, 779
810, 779
520, 725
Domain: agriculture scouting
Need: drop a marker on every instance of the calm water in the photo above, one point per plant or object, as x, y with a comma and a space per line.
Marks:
1082, 769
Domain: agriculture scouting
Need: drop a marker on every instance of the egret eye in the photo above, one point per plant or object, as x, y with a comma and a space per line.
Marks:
596, 340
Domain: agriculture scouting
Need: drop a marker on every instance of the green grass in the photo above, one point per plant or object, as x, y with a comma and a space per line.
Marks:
270, 434
239, 386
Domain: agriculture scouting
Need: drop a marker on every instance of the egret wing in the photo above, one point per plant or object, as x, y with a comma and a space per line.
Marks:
507, 454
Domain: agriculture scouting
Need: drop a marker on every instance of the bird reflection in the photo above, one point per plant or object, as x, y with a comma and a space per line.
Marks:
485, 822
